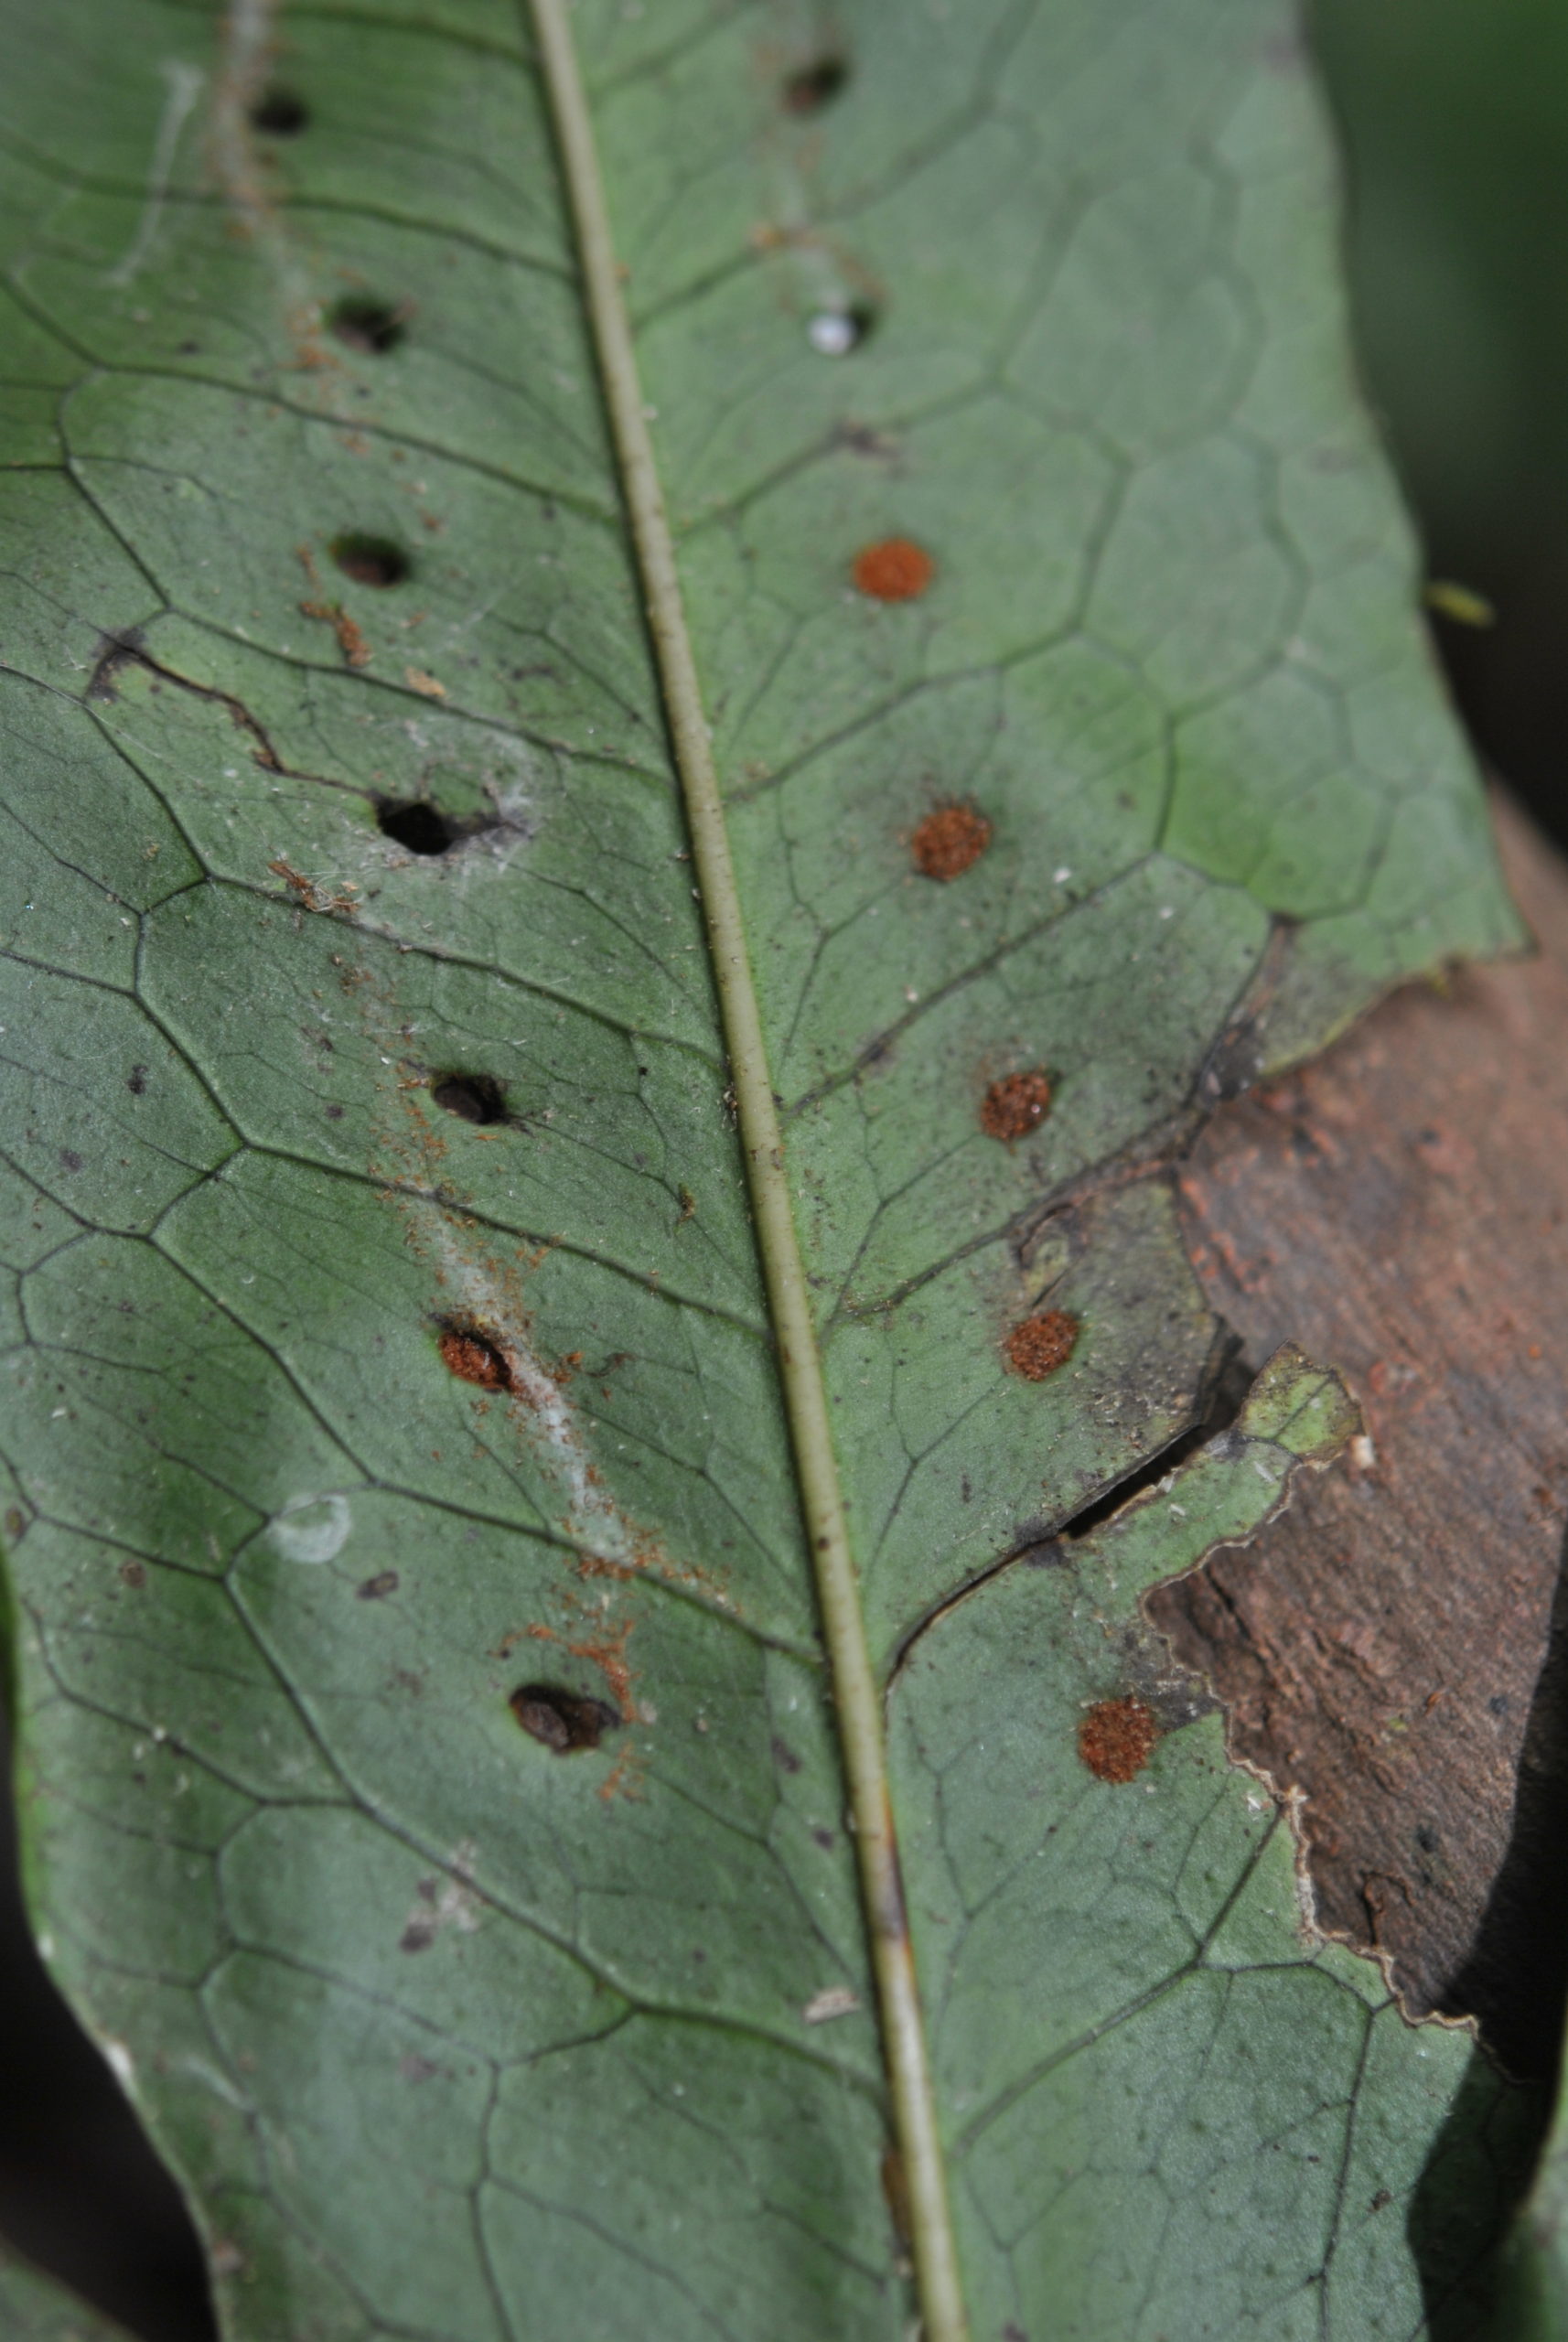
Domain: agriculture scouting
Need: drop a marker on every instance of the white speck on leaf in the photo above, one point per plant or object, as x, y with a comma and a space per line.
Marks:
832, 333
834, 1999
120, 2062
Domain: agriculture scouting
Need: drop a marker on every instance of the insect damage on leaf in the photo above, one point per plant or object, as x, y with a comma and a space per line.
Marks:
371, 561
364, 324
280, 113
472, 1097
419, 826
811, 87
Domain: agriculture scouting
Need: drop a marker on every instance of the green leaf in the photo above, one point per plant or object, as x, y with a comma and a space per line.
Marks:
1531, 2303
537, 1401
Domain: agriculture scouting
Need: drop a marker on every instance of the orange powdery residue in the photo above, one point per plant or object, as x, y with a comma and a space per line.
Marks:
426, 685
312, 897
1015, 1105
606, 1652
950, 841
624, 1778
351, 642
893, 571
590, 1565
473, 1357
1116, 1738
1041, 1344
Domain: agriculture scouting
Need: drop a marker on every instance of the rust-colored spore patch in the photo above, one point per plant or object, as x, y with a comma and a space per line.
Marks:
950, 841
473, 1357
894, 571
1116, 1738
1041, 1344
562, 1720
1015, 1105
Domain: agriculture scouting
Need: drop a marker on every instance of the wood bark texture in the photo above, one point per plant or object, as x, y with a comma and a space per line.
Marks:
1395, 1647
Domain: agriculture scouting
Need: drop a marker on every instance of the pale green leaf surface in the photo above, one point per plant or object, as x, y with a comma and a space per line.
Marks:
451, 2035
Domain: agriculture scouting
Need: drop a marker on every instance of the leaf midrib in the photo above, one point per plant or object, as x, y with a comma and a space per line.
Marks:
857, 1707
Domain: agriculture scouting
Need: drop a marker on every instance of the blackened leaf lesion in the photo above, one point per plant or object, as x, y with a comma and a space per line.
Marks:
562, 1720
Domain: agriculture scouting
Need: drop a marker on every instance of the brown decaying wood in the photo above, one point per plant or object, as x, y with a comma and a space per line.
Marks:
1389, 1646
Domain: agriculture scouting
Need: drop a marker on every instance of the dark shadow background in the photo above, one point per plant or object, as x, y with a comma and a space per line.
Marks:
80, 2191
1454, 115
1454, 119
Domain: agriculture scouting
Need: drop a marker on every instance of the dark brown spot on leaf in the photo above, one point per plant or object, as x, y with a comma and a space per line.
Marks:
1041, 1344
1015, 1105
473, 1097
895, 2189
950, 841
563, 1721
1116, 1738
375, 1589
813, 86
280, 113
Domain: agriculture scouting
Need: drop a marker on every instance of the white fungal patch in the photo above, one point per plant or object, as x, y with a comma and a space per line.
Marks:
543, 1411
312, 1529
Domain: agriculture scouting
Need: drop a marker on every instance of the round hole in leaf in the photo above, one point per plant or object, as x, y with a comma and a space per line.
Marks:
371, 561
280, 113
417, 823
816, 85
361, 322
473, 1097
